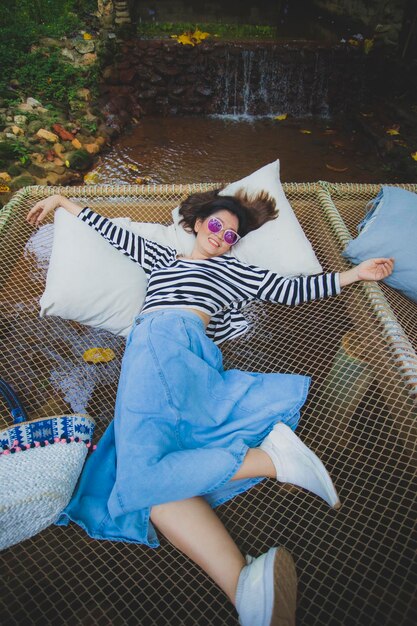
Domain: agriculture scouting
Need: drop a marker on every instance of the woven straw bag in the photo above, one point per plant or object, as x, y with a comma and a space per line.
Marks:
40, 462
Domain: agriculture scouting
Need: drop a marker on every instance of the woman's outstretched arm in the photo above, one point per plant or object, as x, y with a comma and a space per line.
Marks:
41, 209
140, 250
294, 291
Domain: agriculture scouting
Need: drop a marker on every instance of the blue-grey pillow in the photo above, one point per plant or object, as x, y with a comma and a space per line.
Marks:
389, 229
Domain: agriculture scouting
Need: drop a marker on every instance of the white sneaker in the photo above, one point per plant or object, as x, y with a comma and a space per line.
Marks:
295, 463
267, 590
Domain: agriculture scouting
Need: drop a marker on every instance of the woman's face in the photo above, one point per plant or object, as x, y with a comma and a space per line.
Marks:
212, 244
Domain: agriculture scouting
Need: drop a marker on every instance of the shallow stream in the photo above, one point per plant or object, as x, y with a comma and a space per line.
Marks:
203, 149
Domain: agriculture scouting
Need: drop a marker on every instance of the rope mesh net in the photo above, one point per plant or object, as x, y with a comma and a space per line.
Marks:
355, 566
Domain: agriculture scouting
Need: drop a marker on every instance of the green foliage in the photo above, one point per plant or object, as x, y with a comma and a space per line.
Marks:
6, 152
45, 75
223, 31
13, 150
24, 22
47, 17
89, 125
22, 152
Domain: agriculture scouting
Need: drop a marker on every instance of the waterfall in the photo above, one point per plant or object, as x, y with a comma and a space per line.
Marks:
266, 81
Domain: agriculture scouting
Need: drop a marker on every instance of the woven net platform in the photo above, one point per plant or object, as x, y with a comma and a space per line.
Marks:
356, 565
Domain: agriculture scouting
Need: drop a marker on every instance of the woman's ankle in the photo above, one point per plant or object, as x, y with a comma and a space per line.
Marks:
256, 464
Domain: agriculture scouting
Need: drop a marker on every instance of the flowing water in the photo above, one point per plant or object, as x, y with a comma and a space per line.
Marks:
204, 149
263, 82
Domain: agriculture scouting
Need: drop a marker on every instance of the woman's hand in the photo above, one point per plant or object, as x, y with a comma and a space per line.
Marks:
372, 269
41, 209
375, 269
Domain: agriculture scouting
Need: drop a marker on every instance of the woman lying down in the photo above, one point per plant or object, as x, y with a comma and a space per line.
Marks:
188, 435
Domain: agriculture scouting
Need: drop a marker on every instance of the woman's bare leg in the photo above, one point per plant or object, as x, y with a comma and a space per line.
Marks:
263, 592
256, 463
193, 527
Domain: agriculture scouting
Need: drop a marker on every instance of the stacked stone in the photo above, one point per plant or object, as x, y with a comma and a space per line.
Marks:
122, 15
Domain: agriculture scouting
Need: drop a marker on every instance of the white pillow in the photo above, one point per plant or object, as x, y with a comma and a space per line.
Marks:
91, 282
279, 245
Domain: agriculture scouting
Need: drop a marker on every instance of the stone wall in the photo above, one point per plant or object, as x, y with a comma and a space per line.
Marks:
165, 78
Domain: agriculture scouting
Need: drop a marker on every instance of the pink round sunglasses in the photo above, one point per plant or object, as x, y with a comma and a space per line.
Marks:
215, 225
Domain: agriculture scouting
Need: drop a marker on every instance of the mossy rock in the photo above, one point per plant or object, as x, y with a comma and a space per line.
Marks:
15, 170
6, 93
80, 160
7, 149
36, 170
4, 199
24, 180
34, 126
7, 153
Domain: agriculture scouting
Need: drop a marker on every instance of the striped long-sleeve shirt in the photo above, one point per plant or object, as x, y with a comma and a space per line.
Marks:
219, 286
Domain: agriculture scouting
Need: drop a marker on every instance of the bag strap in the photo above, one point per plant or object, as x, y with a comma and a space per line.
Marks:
13, 402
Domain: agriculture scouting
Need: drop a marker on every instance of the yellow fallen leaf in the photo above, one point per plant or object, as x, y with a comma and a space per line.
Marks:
67, 163
142, 180
132, 166
4, 188
98, 355
199, 35
393, 131
353, 42
368, 44
336, 169
185, 39
87, 36
305, 132
281, 117
414, 156
92, 178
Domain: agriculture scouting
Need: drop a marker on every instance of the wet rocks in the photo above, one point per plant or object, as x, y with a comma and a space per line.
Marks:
83, 46
20, 119
47, 135
63, 134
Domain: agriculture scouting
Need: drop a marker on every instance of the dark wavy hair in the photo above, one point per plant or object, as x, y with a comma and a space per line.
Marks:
251, 211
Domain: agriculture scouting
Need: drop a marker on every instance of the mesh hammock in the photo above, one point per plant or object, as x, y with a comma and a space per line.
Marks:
355, 566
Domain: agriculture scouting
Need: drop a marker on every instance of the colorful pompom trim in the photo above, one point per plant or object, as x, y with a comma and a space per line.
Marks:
41, 444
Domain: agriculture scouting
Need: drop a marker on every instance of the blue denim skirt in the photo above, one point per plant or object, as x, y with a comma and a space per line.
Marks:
182, 428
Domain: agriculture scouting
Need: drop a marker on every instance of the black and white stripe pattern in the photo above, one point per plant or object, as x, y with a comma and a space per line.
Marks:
219, 286
146, 253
